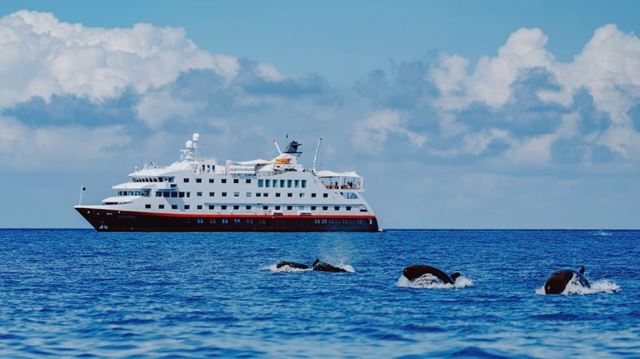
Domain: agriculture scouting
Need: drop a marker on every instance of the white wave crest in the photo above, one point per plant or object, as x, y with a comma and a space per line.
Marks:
431, 282
602, 233
573, 287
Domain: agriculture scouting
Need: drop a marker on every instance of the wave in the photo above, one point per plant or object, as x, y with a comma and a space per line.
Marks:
602, 233
599, 286
431, 282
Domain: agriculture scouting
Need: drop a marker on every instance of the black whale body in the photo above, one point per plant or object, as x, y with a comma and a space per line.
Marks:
326, 267
415, 271
557, 282
292, 265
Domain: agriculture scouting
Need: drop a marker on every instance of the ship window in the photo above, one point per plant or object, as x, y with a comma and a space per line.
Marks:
158, 194
313, 195
236, 207
224, 194
174, 206
236, 194
265, 194
289, 208
348, 208
212, 206
325, 195
235, 180
277, 194
223, 207
198, 180
247, 207
210, 180
186, 180
186, 206
212, 194
147, 206
174, 194
188, 194
199, 194
166, 194
161, 206
248, 180
301, 195
260, 183
267, 183
313, 208
301, 207
325, 208
171, 179
337, 208
277, 208
248, 194
265, 207
236, 220
289, 194
289, 183
224, 180
224, 221
275, 183
181, 194
296, 183
304, 183
258, 194
199, 206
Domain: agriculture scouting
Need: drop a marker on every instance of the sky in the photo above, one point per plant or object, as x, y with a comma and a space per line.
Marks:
459, 114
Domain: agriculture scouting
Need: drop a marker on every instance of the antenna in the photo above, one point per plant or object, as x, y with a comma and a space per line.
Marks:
277, 147
315, 158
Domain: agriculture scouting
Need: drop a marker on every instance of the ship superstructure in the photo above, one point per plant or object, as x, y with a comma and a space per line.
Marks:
199, 194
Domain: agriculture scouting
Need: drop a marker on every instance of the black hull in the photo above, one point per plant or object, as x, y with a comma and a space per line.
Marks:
125, 221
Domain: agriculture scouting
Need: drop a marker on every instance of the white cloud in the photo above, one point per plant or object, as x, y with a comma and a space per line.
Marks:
372, 133
41, 56
24, 147
608, 67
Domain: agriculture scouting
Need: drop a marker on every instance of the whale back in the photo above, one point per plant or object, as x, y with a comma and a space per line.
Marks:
292, 265
416, 271
326, 267
557, 282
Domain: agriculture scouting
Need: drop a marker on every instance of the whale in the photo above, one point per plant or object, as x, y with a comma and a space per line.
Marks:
326, 267
292, 265
416, 271
557, 282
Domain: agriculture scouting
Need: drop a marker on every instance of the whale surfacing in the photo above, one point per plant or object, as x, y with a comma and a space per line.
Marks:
416, 271
294, 265
326, 267
558, 281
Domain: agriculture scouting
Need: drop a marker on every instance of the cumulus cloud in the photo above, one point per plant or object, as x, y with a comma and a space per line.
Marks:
29, 148
42, 56
372, 133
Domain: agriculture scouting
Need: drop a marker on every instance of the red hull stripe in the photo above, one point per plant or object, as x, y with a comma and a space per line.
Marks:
229, 215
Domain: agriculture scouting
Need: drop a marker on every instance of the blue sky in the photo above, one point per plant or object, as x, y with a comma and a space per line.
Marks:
458, 114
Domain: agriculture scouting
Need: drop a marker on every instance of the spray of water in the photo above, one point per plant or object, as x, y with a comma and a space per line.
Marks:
431, 282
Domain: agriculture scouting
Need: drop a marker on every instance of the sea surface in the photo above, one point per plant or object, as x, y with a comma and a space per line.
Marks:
68, 293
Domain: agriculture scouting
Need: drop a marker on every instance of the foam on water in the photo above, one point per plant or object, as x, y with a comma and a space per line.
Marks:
431, 282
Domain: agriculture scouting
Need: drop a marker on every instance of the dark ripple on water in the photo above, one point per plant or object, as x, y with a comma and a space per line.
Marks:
87, 294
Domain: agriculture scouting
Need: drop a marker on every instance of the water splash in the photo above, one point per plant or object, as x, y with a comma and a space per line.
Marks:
573, 287
431, 282
602, 233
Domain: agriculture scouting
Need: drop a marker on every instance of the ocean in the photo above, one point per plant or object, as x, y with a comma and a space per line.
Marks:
79, 293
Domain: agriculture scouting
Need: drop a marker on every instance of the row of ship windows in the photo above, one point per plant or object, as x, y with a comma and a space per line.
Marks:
173, 194
261, 182
249, 207
262, 221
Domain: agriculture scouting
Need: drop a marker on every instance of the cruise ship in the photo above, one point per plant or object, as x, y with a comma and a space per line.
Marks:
199, 194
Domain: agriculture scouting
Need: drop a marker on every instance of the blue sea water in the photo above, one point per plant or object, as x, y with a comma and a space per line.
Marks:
82, 293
